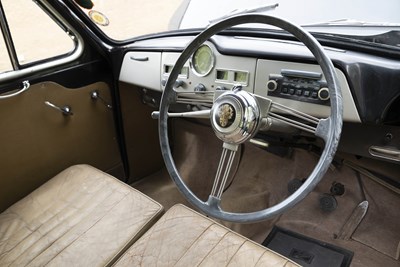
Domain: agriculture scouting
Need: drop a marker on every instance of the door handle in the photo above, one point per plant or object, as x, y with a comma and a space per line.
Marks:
25, 86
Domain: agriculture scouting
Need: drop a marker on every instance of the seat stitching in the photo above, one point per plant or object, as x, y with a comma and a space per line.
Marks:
73, 241
68, 230
259, 259
286, 263
147, 235
191, 245
214, 245
147, 223
154, 230
244, 241
60, 211
50, 206
66, 205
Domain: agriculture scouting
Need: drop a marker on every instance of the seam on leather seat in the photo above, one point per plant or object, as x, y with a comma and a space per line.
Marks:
227, 264
146, 225
64, 248
154, 212
150, 235
194, 242
216, 244
259, 259
83, 218
73, 197
245, 238
37, 229
150, 222
125, 185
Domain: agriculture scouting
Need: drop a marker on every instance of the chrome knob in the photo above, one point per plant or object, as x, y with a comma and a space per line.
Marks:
323, 94
272, 85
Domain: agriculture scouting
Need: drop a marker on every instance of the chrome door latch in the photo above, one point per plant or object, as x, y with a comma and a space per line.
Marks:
95, 95
65, 110
25, 86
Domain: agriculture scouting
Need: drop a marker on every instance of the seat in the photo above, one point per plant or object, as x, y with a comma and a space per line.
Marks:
183, 237
81, 217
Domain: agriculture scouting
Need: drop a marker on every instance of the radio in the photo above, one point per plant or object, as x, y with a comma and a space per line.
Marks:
298, 85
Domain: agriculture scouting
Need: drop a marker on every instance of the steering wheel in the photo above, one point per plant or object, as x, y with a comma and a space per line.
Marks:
236, 116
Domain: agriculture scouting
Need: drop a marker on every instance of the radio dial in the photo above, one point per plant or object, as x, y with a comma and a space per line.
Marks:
272, 85
323, 94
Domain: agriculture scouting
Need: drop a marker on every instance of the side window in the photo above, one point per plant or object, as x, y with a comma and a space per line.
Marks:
5, 63
33, 33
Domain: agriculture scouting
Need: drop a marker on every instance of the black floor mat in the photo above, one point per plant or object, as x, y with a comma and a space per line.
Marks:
307, 251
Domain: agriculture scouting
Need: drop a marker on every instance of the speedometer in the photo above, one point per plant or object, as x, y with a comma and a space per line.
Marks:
202, 60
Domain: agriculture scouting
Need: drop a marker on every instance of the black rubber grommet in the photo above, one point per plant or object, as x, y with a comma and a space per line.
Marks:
327, 202
337, 189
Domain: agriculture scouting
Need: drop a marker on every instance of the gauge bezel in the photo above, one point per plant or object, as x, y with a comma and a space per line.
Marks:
191, 60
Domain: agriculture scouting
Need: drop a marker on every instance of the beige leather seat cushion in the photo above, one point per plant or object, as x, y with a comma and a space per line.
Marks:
183, 237
81, 217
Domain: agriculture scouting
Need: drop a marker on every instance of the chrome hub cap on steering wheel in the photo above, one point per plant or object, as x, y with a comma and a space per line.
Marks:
235, 116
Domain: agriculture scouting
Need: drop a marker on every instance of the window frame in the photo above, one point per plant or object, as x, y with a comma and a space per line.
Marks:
20, 70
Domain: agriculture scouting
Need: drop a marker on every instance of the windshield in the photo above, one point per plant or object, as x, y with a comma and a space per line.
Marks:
125, 19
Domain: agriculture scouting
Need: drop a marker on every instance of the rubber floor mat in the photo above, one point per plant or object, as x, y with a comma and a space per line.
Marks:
307, 251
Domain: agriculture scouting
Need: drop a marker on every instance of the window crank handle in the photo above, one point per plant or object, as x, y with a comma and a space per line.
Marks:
96, 95
65, 110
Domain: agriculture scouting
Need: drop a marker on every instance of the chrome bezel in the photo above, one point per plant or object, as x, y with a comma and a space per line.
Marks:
231, 78
192, 67
247, 119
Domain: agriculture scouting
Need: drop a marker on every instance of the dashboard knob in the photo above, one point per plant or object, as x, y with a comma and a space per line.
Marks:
178, 83
272, 85
200, 88
323, 94
221, 88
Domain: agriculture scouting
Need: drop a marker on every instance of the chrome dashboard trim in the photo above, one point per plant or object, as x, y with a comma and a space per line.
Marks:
212, 61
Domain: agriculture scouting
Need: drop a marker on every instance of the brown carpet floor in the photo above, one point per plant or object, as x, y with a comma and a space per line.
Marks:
260, 180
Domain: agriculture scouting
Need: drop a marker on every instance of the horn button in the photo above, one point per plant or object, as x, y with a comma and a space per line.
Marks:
235, 116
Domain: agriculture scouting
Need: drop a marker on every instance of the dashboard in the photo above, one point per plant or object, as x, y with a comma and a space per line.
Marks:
298, 85
284, 71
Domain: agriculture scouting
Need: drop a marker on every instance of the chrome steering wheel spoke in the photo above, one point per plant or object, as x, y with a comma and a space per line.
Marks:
299, 120
200, 114
224, 168
292, 117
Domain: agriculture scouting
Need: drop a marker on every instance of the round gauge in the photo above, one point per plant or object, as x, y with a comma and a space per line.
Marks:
202, 60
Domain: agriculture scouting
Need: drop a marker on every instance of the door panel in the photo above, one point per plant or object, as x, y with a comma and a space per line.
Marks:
38, 141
